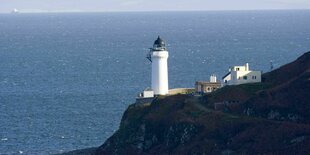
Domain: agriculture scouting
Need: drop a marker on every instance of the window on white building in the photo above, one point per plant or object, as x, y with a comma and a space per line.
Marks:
245, 77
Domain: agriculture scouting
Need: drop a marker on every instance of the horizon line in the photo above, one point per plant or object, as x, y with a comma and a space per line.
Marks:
137, 11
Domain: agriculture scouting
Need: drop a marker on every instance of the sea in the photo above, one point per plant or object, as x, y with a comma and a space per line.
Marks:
67, 78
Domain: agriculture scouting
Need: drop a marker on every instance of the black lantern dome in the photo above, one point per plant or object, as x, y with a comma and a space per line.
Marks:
159, 44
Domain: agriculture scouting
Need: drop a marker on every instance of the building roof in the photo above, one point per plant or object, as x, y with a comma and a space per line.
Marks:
159, 45
159, 42
226, 75
148, 89
207, 83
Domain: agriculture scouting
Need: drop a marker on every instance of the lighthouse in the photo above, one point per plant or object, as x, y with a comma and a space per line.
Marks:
158, 55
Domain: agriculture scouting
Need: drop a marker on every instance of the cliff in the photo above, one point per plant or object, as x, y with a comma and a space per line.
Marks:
271, 117
289, 97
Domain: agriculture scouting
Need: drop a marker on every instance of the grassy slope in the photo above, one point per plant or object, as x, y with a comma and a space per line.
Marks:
185, 124
181, 126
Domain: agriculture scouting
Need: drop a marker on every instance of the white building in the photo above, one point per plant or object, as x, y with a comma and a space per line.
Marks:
147, 93
15, 11
241, 75
158, 55
147, 96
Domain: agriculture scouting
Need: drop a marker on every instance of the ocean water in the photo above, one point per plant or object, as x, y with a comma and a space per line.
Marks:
66, 79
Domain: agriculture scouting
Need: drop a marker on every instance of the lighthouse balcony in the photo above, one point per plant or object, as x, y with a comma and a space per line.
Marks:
159, 48
163, 54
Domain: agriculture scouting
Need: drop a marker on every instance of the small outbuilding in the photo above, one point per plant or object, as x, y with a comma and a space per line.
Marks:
207, 86
147, 93
147, 96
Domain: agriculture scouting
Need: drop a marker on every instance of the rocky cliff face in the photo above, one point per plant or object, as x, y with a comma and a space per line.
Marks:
269, 118
289, 97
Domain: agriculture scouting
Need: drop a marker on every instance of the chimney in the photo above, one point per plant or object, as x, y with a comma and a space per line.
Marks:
213, 78
247, 68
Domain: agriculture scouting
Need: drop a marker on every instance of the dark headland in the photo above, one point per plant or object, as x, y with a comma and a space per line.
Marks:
272, 117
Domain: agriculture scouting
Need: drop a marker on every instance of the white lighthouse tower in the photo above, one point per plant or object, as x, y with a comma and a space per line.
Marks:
158, 55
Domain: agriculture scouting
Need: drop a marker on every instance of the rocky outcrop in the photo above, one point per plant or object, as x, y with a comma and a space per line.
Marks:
268, 118
289, 97
178, 125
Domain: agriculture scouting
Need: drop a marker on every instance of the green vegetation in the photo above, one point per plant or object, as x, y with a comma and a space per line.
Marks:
239, 93
276, 122
249, 89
